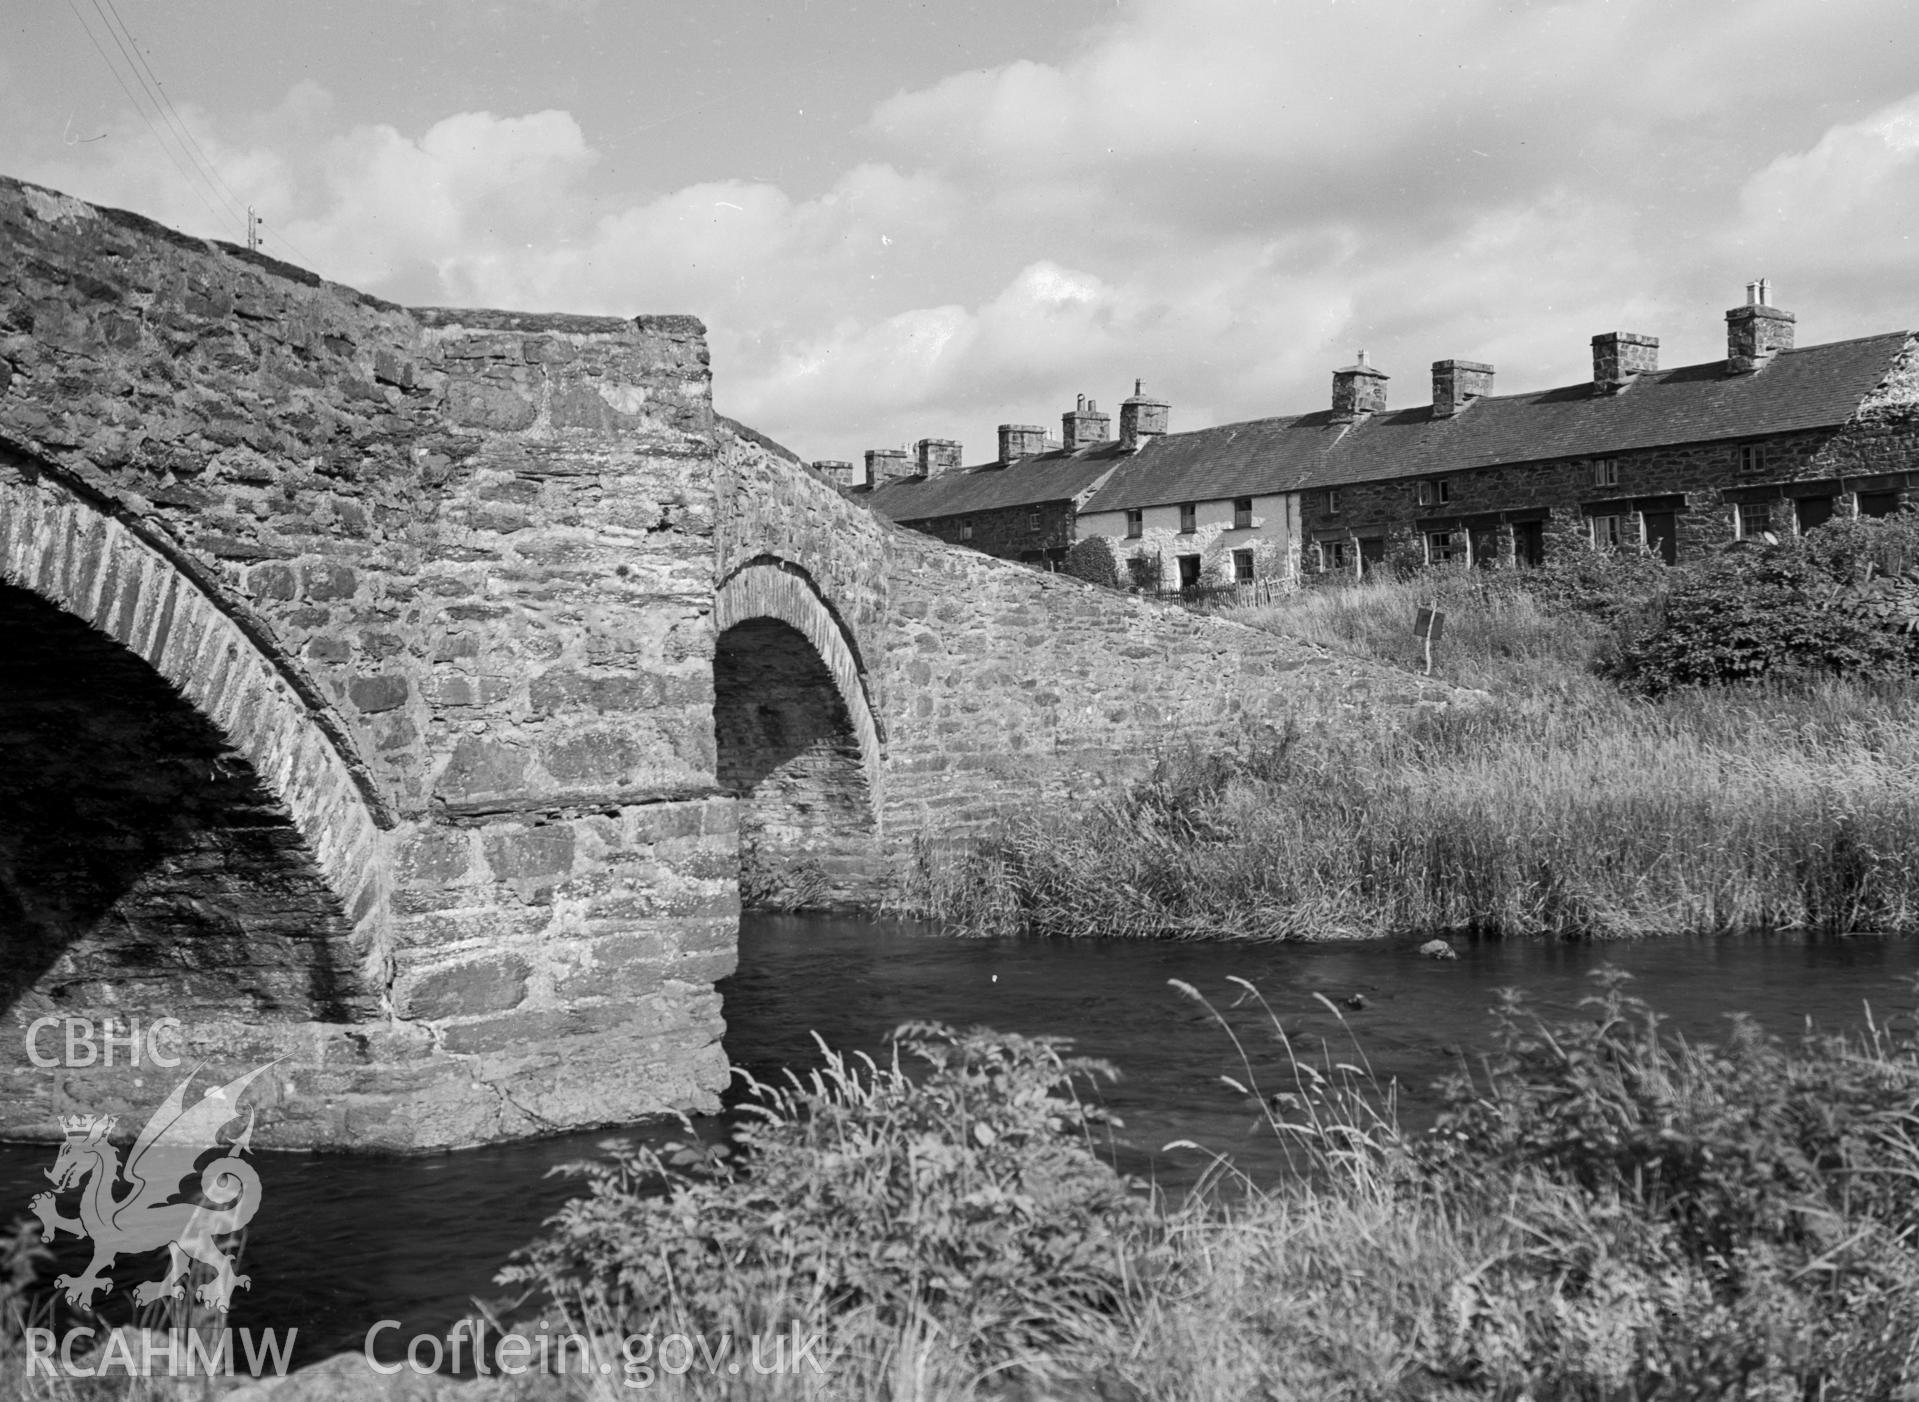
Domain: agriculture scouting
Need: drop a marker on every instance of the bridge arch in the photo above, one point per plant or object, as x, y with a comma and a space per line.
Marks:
797, 735
94, 596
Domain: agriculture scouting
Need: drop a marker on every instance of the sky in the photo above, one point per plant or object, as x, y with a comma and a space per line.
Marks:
902, 220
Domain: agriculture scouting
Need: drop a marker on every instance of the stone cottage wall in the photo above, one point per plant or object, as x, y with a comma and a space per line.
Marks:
1273, 538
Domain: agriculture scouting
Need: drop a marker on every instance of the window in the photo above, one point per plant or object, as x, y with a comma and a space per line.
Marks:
1615, 532
1242, 513
1188, 523
1605, 472
1433, 493
1442, 490
1242, 567
1422, 493
1752, 458
1032, 520
1440, 548
1332, 502
1335, 555
1752, 519
966, 528
1135, 524
1878, 503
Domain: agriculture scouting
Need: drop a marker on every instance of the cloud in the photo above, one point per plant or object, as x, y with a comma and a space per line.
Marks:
1224, 197
1857, 188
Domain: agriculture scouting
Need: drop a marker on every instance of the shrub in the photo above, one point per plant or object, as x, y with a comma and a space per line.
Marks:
1739, 1212
1093, 560
1759, 611
1142, 570
970, 1201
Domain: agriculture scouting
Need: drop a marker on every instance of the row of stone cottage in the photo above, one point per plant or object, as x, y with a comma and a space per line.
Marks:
1772, 438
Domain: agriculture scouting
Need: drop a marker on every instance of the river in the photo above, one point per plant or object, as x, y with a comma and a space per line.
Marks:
343, 1242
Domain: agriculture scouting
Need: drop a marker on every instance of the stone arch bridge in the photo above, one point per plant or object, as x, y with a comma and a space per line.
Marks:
413, 695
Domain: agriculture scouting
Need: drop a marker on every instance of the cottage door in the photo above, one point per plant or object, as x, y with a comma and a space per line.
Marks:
1662, 535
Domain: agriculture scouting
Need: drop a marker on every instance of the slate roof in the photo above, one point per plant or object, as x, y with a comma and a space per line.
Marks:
1045, 477
1814, 387
1233, 460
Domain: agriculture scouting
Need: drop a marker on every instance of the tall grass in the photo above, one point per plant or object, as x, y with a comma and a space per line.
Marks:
1556, 805
1602, 1212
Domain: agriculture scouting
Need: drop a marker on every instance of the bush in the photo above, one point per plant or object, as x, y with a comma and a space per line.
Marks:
1142, 570
1764, 611
970, 1201
1093, 560
1740, 1212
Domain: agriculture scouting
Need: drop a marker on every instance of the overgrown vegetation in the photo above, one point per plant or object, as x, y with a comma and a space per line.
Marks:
1595, 790
1600, 1213
1095, 561
958, 1221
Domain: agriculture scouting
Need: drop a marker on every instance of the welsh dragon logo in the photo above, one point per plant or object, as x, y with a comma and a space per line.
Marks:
145, 1217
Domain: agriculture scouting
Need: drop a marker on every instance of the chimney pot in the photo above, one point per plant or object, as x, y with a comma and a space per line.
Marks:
1358, 390
1018, 441
1457, 383
1084, 426
1758, 331
1619, 356
836, 471
937, 455
884, 465
1141, 417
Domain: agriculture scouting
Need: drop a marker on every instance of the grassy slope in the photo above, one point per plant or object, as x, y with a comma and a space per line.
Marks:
1562, 806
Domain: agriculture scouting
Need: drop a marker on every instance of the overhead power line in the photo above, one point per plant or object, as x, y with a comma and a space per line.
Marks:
186, 170
198, 170
157, 93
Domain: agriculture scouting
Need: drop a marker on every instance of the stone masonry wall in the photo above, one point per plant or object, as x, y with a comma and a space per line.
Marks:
468, 558
1272, 538
1011, 533
995, 685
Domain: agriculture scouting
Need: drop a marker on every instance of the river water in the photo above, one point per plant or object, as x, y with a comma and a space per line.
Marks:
343, 1242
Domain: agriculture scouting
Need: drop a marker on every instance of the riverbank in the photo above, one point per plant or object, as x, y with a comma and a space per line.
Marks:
1599, 1211
1565, 805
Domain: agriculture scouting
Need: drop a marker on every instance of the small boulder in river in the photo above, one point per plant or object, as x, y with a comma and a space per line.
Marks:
1357, 1000
1438, 949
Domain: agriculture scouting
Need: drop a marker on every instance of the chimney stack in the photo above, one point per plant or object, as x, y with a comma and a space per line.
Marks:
1619, 356
1018, 441
1457, 383
1358, 389
1084, 426
839, 473
884, 465
1141, 417
1758, 331
937, 455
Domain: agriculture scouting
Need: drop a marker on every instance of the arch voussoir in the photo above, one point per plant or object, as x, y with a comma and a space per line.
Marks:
94, 567
776, 589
